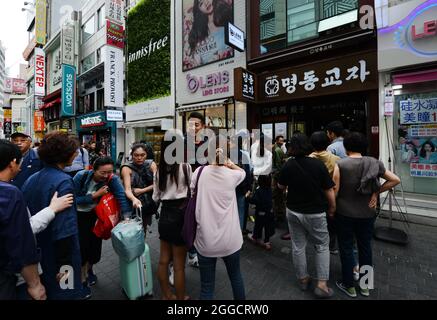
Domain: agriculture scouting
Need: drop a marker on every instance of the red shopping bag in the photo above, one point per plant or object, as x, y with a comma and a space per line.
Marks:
108, 215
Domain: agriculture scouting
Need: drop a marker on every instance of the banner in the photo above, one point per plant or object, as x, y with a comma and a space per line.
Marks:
68, 105
40, 72
67, 44
38, 121
114, 34
203, 41
113, 77
41, 21
418, 111
7, 124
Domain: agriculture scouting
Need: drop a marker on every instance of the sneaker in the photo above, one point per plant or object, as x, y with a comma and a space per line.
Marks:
85, 292
365, 292
171, 275
92, 278
286, 236
351, 292
193, 261
356, 273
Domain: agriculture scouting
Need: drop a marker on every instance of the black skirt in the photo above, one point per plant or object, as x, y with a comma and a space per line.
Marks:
171, 221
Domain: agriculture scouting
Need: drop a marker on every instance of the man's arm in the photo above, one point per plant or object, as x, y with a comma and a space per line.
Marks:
330, 196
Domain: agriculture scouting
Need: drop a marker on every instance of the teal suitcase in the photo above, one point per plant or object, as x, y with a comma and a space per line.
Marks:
136, 276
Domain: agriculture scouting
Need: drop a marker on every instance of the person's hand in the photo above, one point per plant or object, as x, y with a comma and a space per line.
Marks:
373, 201
62, 203
37, 292
137, 191
229, 164
136, 203
102, 191
61, 276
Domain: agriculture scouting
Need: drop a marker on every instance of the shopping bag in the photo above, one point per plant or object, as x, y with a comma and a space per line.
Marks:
190, 224
128, 238
108, 215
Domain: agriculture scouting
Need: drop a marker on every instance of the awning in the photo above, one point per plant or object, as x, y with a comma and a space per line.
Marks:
204, 105
415, 77
50, 104
52, 95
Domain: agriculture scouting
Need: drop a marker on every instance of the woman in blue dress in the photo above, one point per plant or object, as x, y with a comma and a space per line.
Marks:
427, 153
59, 242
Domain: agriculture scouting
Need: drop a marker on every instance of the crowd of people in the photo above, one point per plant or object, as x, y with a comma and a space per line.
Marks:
323, 187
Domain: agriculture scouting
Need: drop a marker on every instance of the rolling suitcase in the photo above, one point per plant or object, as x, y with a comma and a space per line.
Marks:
136, 276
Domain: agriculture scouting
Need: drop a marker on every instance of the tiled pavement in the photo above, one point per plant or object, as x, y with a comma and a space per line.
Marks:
400, 272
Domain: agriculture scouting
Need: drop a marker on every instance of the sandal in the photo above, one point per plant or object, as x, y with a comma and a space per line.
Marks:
267, 246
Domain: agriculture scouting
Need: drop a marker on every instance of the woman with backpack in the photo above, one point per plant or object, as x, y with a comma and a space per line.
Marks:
171, 186
137, 179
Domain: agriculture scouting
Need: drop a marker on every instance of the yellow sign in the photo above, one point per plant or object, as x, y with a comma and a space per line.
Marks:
8, 113
41, 21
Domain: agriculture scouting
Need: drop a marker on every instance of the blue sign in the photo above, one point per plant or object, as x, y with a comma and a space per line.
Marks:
68, 106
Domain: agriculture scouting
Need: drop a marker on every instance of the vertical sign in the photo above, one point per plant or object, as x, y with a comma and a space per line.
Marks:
40, 72
114, 10
41, 21
68, 91
113, 77
67, 44
388, 102
7, 125
38, 121
114, 34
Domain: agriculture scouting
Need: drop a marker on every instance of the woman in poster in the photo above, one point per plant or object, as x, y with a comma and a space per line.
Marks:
409, 153
204, 42
427, 153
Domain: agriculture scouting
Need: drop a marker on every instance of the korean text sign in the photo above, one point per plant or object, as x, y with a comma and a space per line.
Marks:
351, 73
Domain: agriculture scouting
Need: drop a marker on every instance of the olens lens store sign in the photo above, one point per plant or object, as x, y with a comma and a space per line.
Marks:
68, 106
148, 60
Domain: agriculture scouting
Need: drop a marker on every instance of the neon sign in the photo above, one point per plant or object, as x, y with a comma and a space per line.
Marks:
418, 31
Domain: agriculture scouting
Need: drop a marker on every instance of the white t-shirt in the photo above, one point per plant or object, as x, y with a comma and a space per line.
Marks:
218, 225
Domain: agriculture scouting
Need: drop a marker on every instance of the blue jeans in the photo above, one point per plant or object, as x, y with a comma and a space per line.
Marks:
362, 230
241, 203
207, 276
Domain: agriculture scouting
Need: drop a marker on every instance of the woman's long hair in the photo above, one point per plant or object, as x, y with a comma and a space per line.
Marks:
422, 150
222, 12
166, 169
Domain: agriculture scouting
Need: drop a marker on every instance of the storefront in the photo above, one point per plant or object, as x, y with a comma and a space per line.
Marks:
408, 110
96, 127
150, 74
205, 70
305, 98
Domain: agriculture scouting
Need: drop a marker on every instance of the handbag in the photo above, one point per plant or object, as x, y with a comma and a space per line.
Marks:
108, 215
190, 224
127, 238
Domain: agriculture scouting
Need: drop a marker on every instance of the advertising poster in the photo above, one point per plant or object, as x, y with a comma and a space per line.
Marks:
148, 61
203, 28
113, 77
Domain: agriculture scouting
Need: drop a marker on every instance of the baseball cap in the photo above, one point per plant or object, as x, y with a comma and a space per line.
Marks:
20, 134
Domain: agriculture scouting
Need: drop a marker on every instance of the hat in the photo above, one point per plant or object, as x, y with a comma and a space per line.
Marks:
20, 134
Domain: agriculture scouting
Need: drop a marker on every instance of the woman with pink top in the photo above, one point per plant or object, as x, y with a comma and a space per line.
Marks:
218, 227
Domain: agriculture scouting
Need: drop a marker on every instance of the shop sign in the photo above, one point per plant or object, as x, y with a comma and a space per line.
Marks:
18, 86
245, 84
7, 124
38, 121
40, 21
40, 72
55, 70
114, 115
66, 125
67, 44
94, 121
113, 77
234, 37
354, 73
115, 10
422, 131
418, 111
114, 34
68, 105
211, 84
423, 170
388, 102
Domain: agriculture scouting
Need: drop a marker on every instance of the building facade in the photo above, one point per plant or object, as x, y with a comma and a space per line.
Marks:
302, 85
407, 62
